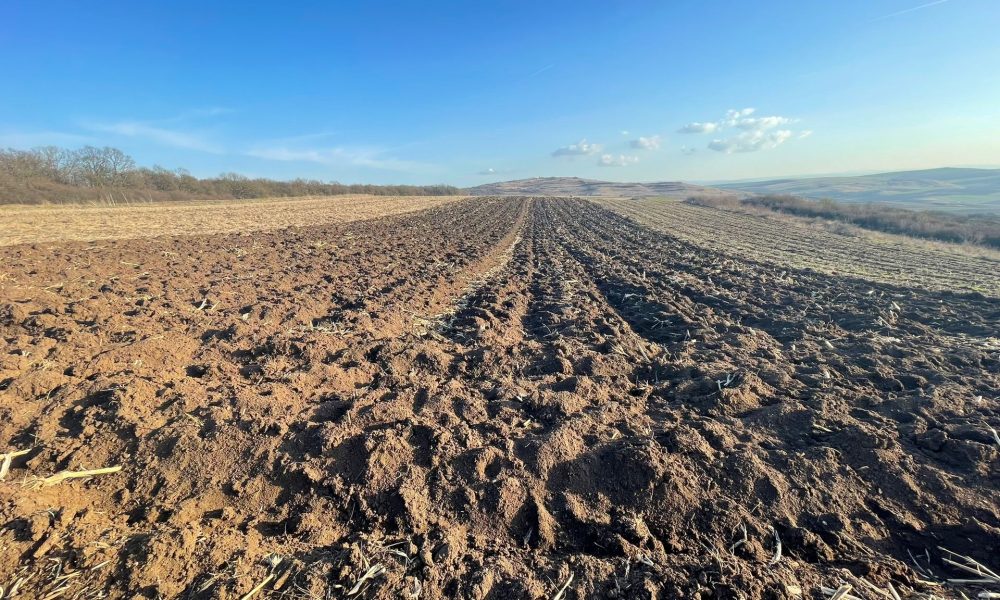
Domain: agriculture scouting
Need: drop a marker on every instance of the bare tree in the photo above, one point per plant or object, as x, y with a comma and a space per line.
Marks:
50, 174
118, 164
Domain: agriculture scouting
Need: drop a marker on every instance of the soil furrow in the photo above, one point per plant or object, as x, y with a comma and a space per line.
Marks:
483, 398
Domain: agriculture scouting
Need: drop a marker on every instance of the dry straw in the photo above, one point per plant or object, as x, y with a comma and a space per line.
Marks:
7, 459
43, 482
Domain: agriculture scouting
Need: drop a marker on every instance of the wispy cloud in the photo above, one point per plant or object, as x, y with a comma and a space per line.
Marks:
610, 160
542, 70
31, 139
176, 138
371, 158
184, 130
199, 113
686, 151
908, 10
581, 148
748, 132
303, 138
646, 143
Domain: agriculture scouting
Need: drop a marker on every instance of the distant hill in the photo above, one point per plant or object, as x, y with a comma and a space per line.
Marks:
950, 189
947, 189
575, 186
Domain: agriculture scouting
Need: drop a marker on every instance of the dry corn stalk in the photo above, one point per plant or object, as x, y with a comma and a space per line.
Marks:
7, 459
42, 482
259, 587
372, 572
561, 594
970, 565
842, 592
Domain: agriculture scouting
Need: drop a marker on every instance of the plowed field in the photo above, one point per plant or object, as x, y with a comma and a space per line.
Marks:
498, 398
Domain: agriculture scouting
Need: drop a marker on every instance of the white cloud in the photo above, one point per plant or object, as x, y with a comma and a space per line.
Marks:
697, 127
751, 141
762, 123
742, 119
646, 143
610, 160
805, 134
733, 116
581, 148
494, 172
624, 131
749, 133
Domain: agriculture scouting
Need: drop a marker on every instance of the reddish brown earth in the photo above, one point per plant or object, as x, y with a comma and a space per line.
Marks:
493, 398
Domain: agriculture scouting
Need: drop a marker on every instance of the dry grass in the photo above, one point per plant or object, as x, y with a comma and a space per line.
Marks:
795, 242
974, 230
30, 224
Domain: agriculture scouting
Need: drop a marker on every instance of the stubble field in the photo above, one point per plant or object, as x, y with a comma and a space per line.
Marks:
498, 397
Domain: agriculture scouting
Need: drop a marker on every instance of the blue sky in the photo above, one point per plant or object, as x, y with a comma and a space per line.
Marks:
469, 92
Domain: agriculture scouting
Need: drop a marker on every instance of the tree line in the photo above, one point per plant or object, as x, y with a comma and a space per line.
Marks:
58, 175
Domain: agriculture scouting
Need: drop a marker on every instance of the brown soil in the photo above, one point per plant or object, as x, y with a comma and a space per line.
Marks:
492, 398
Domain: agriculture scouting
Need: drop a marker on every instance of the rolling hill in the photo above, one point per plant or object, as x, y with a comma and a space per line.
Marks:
959, 190
950, 189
